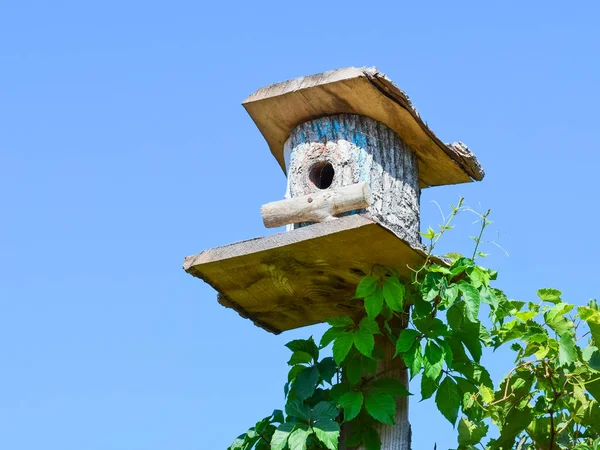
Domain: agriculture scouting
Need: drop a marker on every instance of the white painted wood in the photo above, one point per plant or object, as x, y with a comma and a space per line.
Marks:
321, 206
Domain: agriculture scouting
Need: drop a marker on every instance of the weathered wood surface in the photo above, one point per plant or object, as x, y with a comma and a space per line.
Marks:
305, 276
320, 206
279, 108
397, 436
359, 149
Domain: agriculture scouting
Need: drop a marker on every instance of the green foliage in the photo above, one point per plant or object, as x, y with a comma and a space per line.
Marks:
548, 400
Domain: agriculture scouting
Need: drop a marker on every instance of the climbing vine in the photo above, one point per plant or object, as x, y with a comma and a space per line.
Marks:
548, 400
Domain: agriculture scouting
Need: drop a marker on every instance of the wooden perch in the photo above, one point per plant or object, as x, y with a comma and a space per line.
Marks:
321, 206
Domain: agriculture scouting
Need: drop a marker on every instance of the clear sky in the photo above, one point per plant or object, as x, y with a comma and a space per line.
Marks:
124, 148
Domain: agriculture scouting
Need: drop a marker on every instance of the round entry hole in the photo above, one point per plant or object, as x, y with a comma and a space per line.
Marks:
321, 174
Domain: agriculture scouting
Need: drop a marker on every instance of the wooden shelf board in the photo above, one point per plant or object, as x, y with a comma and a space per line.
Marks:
302, 277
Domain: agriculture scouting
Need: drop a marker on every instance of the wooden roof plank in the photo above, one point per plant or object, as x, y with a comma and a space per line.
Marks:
279, 108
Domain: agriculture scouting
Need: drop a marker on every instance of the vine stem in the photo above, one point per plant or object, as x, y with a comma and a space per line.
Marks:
484, 223
436, 238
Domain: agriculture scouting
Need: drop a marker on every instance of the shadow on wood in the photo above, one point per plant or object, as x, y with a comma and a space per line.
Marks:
305, 276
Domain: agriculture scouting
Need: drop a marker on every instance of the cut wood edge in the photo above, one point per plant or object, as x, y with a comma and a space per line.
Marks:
321, 206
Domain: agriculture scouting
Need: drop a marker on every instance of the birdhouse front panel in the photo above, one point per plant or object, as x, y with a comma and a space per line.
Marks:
340, 150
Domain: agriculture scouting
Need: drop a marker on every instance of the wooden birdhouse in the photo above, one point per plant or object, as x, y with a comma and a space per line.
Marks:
356, 155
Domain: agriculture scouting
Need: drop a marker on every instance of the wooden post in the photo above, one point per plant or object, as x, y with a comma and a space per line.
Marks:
398, 436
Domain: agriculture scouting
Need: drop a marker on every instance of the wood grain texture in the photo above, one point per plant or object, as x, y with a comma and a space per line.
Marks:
359, 149
305, 276
279, 108
321, 206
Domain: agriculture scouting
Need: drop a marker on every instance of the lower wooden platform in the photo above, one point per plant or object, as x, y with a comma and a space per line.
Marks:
305, 276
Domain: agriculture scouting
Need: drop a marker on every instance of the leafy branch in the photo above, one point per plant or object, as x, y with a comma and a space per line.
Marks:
549, 399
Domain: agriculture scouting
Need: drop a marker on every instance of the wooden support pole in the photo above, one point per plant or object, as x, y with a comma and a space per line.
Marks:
397, 436
321, 206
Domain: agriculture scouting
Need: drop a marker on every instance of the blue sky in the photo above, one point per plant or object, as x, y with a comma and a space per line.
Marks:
124, 148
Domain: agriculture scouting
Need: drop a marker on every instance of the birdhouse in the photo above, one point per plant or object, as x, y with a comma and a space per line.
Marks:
356, 155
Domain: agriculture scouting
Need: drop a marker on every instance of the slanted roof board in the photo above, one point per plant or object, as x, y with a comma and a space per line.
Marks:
279, 108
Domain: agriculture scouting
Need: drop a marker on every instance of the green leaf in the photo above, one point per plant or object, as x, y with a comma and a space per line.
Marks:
341, 346
558, 310
353, 438
327, 369
369, 325
353, 369
328, 432
454, 317
486, 393
390, 386
549, 295
366, 287
278, 416
364, 342
431, 326
300, 357
592, 317
567, 352
587, 352
470, 433
304, 345
406, 340
325, 411
428, 387
352, 403
431, 287
371, 439
337, 390
238, 443
488, 296
374, 303
294, 371
413, 359
340, 322
478, 276
540, 431
472, 300
298, 409
433, 360
297, 439
516, 421
560, 325
330, 335
429, 234
448, 356
381, 407
594, 361
281, 435
450, 295
448, 399
306, 382
393, 293
469, 335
